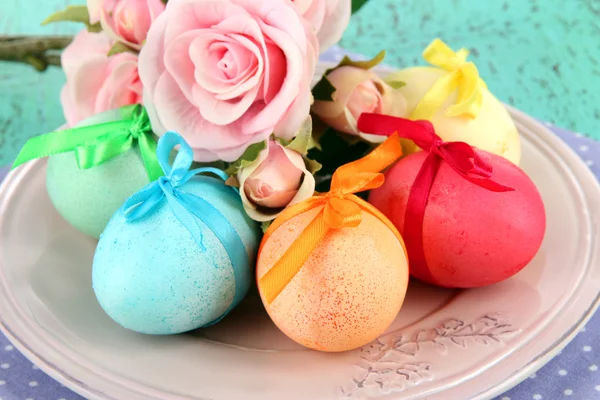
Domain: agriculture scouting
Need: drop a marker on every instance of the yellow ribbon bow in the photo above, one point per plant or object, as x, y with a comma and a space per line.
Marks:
340, 208
462, 75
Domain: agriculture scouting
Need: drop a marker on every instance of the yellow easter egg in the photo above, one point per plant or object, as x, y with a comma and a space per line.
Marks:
493, 130
348, 291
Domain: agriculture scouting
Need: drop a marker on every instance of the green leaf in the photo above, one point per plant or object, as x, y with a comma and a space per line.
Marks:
265, 225
70, 14
231, 170
303, 141
357, 5
312, 166
249, 156
318, 130
347, 61
95, 28
396, 84
117, 48
323, 90
213, 164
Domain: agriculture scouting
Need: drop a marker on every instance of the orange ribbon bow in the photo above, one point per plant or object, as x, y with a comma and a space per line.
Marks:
340, 208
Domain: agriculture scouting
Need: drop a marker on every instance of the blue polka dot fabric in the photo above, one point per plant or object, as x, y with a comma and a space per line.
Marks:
572, 374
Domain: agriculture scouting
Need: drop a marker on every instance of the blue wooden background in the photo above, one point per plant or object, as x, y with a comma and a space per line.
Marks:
539, 55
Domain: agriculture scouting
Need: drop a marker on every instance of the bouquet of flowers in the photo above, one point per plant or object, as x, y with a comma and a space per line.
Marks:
192, 123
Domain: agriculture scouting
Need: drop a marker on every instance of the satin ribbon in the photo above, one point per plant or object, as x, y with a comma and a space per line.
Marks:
462, 75
339, 208
96, 144
191, 211
461, 157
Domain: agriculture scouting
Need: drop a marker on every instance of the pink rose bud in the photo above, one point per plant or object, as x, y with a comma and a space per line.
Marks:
358, 91
275, 180
365, 98
126, 21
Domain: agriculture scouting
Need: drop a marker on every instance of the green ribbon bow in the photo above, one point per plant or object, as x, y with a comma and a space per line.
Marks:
96, 144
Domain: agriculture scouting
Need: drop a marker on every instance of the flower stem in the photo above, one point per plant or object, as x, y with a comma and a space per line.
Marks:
37, 51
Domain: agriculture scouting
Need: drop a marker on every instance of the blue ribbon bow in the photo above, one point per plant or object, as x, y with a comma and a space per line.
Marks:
189, 208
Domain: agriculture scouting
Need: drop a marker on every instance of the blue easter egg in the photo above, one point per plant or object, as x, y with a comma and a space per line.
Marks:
151, 276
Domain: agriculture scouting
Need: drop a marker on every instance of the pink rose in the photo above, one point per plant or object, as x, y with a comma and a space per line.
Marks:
358, 91
275, 180
226, 74
329, 18
127, 21
96, 82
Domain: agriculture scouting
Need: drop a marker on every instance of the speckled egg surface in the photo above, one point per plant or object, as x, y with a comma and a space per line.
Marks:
472, 237
349, 290
87, 198
493, 130
150, 275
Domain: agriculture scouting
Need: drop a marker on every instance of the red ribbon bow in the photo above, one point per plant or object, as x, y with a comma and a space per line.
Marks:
459, 155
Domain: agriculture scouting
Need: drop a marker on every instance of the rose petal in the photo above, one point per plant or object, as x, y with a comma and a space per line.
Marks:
178, 63
84, 46
201, 154
155, 122
151, 58
70, 110
118, 89
335, 23
271, 13
194, 14
290, 88
306, 190
222, 112
267, 196
277, 72
85, 83
114, 30
276, 180
294, 117
179, 115
313, 10
211, 78
345, 80
190, 62
141, 21
124, 21
155, 8
394, 102
250, 69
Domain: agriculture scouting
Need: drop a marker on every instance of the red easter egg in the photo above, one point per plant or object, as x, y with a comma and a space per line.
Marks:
472, 237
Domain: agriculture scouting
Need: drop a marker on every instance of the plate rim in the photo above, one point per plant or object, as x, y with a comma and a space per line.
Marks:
583, 175
558, 345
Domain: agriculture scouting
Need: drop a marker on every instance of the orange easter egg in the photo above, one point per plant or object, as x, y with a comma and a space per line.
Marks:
348, 291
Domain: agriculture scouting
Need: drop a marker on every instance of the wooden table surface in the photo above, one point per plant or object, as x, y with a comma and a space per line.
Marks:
543, 56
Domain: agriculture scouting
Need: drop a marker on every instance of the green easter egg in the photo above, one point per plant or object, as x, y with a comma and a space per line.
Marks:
88, 198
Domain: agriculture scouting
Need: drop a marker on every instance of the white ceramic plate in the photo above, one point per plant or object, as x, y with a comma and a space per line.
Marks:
444, 344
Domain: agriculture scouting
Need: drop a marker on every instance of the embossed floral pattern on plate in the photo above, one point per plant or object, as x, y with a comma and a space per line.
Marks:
392, 363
